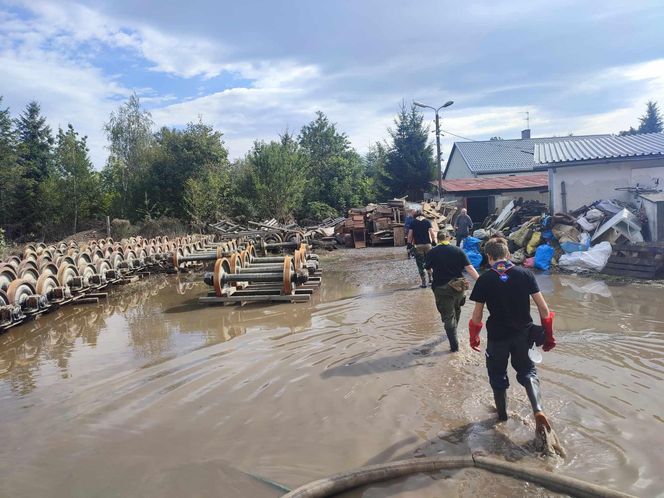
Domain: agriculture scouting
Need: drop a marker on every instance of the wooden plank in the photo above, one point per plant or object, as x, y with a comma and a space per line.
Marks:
635, 267
302, 298
633, 260
628, 273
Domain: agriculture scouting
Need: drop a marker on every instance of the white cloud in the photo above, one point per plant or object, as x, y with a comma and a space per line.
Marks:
67, 93
42, 59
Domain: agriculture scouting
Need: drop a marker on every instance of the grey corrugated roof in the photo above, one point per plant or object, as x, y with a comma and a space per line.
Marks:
607, 147
504, 156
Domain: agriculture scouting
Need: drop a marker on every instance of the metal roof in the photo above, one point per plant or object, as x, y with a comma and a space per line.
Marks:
504, 156
608, 147
654, 197
522, 182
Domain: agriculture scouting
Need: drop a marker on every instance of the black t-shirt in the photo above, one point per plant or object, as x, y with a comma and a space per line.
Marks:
508, 301
447, 262
420, 230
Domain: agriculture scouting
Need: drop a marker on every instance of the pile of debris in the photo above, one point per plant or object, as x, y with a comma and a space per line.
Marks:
607, 235
383, 224
273, 232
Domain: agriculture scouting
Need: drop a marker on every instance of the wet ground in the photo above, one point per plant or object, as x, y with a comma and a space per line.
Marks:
151, 395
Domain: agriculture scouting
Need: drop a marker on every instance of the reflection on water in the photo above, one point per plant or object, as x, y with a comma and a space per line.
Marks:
150, 394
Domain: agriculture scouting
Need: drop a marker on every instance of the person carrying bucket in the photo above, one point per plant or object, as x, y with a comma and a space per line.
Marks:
506, 290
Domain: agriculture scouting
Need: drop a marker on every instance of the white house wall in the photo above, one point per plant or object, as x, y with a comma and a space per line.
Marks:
586, 184
457, 167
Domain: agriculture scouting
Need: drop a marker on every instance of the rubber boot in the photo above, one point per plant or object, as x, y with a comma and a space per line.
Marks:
424, 281
533, 390
500, 397
452, 337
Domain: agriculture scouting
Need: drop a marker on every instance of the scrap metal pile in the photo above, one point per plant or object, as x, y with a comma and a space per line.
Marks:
383, 224
272, 232
43, 277
605, 236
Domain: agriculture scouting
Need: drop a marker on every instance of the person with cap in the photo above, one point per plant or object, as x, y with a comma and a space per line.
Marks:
506, 290
447, 262
421, 236
462, 226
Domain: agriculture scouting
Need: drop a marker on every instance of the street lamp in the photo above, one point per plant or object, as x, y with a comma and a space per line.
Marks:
438, 156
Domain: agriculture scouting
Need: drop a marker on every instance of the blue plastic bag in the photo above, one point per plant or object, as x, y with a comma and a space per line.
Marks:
543, 255
471, 246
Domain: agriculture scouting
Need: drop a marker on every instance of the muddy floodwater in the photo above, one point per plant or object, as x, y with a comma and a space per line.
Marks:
152, 395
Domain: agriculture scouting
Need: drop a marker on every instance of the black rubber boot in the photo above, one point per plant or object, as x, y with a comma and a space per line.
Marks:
452, 337
500, 397
533, 390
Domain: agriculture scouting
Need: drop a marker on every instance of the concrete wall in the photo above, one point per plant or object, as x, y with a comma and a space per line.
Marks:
586, 184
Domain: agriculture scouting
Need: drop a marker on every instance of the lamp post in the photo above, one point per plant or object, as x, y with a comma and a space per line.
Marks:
438, 157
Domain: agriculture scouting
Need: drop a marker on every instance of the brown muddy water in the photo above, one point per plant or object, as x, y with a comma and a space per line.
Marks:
151, 395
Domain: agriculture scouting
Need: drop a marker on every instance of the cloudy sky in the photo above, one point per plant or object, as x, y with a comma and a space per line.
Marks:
256, 68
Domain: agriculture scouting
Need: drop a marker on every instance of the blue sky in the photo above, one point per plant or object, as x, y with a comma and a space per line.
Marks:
256, 68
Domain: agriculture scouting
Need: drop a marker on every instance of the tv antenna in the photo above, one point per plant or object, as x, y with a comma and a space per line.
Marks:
527, 113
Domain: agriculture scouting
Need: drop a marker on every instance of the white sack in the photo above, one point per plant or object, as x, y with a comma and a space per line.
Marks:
594, 259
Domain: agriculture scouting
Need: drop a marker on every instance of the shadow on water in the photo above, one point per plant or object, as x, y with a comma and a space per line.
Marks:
186, 307
395, 362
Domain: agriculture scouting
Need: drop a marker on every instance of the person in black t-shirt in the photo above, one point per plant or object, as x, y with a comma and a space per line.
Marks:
447, 263
422, 236
506, 290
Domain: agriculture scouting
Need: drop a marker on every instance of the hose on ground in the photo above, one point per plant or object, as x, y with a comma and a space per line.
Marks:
363, 476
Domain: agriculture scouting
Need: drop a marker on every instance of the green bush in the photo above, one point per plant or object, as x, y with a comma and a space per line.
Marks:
318, 211
120, 229
162, 226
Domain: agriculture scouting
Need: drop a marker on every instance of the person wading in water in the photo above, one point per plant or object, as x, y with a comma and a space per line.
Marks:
422, 236
506, 290
447, 263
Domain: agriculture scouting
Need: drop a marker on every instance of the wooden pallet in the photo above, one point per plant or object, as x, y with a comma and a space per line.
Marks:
631, 266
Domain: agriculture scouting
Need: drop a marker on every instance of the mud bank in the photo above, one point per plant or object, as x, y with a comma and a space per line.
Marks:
152, 395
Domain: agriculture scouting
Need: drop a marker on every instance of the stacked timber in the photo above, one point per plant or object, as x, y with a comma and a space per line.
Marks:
383, 223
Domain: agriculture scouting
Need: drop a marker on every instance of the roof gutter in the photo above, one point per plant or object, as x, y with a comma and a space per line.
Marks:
593, 162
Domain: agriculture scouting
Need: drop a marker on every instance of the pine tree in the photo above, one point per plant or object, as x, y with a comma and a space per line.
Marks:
410, 164
35, 159
10, 170
651, 121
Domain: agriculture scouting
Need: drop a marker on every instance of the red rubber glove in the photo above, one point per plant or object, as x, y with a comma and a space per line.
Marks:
475, 334
549, 340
